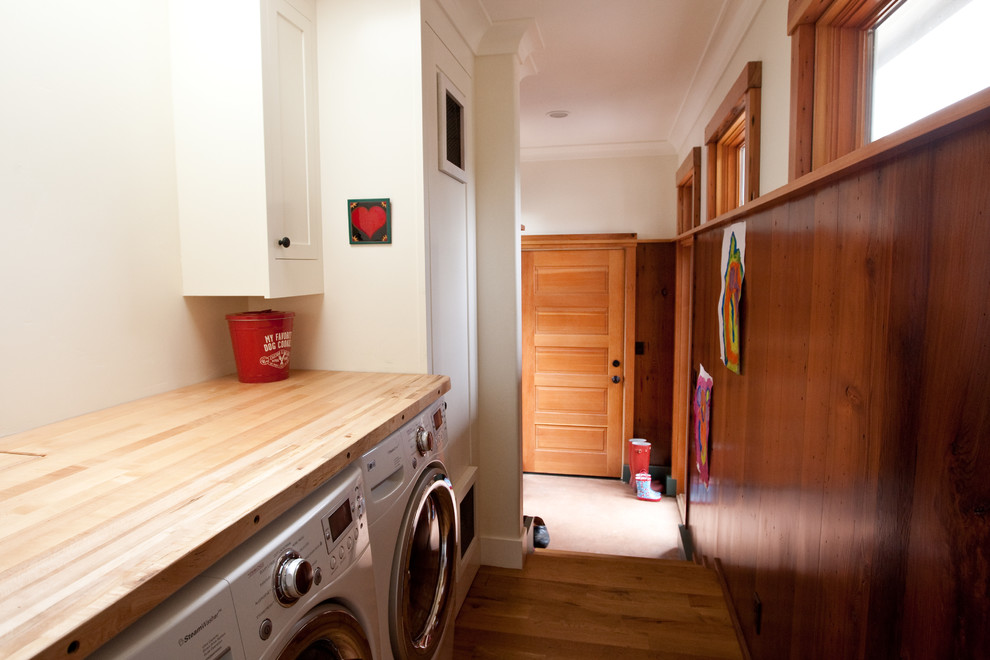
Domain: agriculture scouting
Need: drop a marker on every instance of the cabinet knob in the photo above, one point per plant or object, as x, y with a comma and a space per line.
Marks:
284, 241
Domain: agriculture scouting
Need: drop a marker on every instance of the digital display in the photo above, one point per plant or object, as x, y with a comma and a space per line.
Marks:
437, 418
340, 520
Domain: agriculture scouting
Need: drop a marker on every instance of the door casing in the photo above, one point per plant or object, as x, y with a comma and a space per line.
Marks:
572, 242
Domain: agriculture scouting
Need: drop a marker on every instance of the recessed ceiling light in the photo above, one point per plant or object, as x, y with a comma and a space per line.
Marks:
557, 114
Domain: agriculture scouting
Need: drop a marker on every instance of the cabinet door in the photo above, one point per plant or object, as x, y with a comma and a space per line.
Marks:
247, 146
291, 133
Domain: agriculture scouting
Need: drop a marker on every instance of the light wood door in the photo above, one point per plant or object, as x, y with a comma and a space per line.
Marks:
577, 359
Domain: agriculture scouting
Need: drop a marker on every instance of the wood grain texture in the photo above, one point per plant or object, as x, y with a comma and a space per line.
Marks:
577, 606
123, 506
655, 308
578, 294
736, 124
688, 182
682, 387
830, 78
848, 462
802, 100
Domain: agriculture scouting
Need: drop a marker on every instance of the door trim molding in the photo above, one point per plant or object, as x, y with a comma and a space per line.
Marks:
578, 242
627, 242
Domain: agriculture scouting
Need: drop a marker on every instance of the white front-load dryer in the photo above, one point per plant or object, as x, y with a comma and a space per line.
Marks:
302, 587
412, 516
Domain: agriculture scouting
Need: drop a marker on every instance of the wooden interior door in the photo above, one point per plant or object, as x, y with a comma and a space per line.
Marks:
578, 303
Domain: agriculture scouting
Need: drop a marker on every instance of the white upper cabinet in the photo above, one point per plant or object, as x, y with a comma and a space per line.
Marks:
244, 91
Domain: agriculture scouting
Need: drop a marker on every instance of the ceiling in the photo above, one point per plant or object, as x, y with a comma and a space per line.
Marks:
630, 73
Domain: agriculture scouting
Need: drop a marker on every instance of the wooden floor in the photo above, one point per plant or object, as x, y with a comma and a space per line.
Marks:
576, 606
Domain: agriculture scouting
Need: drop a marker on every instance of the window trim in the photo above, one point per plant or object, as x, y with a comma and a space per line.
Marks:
830, 78
739, 111
688, 183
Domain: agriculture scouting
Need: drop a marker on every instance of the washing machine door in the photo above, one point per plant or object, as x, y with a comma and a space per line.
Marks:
327, 632
421, 597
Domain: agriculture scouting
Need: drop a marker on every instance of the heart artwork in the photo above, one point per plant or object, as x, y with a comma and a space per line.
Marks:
368, 220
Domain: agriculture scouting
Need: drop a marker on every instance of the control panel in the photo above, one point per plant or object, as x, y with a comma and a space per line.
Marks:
427, 433
391, 463
289, 564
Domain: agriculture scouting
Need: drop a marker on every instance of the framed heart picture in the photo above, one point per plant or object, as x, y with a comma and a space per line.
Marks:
369, 221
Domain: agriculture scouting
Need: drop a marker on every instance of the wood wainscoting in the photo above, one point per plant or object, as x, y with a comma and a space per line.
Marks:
849, 459
655, 311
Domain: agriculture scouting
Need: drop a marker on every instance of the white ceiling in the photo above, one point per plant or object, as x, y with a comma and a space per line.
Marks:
631, 73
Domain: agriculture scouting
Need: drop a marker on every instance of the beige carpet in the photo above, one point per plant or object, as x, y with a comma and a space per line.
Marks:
601, 516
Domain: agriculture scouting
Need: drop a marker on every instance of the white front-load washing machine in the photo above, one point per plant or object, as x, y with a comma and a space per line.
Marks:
303, 587
412, 516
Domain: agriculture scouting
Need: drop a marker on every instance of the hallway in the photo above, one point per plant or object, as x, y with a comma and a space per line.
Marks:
575, 606
601, 516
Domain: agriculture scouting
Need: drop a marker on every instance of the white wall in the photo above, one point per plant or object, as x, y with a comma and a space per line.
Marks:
767, 41
373, 314
600, 195
91, 309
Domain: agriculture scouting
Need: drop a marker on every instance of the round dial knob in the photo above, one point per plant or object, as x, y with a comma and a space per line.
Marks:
424, 441
293, 578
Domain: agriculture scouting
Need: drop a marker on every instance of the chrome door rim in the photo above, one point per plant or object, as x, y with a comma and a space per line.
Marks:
434, 494
334, 624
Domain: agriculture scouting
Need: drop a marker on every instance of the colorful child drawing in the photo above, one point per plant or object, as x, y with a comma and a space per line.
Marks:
702, 406
733, 270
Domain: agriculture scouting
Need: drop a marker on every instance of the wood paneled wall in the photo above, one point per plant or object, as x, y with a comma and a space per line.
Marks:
850, 460
655, 288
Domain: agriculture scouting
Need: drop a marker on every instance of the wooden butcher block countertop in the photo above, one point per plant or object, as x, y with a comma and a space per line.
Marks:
104, 516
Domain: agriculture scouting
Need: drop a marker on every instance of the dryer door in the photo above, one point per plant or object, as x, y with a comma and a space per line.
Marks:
328, 632
421, 597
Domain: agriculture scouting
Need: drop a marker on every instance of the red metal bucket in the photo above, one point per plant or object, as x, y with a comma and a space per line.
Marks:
262, 342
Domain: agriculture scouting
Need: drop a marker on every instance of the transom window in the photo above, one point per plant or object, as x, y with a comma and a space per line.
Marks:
861, 69
733, 140
689, 192
927, 54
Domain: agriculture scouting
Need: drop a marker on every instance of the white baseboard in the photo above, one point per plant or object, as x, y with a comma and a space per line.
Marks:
503, 552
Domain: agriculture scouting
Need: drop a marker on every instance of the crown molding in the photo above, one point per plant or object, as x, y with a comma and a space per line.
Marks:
520, 37
733, 23
469, 19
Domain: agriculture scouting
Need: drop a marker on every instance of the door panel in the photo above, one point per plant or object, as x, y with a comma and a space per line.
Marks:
574, 330
588, 438
571, 400
571, 360
572, 321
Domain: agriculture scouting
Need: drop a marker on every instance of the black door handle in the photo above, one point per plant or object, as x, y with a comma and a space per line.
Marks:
615, 379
